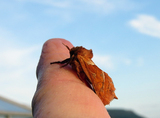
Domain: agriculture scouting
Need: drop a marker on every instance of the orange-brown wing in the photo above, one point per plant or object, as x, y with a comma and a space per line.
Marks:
100, 80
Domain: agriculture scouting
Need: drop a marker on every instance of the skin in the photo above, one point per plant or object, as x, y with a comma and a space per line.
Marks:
60, 93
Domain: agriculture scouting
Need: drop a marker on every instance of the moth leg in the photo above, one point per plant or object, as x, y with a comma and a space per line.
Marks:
62, 62
68, 61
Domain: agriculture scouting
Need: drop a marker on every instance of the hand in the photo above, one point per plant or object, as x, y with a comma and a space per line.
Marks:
60, 93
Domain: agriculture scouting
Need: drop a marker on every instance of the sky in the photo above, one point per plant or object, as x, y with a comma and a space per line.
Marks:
124, 36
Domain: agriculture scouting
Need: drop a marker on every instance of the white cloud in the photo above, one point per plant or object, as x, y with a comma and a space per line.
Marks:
103, 6
108, 6
14, 56
17, 68
103, 61
51, 3
146, 24
113, 62
13, 11
99, 6
126, 61
140, 61
18, 80
61, 10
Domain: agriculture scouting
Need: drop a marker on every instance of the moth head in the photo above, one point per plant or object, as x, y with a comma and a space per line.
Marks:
79, 50
73, 51
85, 52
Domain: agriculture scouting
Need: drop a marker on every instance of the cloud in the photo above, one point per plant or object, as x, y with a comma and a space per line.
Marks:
146, 24
104, 61
59, 11
17, 68
53, 3
140, 62
98, 6
13, 11
18, 73
108, 6
15, 56
126, 61
115, 62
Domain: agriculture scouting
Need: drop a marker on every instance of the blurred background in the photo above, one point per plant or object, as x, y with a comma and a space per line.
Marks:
123, 34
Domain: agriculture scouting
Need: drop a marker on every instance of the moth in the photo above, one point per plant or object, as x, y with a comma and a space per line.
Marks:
89, 73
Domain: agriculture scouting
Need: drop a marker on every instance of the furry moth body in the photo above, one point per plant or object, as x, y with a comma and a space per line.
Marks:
89, 73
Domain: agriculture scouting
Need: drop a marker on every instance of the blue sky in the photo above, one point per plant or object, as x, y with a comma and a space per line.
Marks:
124, 36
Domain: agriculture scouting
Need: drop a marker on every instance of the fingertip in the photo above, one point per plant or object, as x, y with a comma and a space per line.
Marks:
55, 45
53, 50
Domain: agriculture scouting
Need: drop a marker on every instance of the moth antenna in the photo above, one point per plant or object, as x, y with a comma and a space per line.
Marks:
66, 46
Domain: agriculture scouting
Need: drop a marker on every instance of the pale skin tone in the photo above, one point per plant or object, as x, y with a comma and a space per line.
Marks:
60, 93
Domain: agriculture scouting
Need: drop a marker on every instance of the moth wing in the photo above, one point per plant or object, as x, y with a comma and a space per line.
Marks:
100, 80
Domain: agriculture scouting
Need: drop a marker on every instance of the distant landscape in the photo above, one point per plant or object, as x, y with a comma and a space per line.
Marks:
120, 113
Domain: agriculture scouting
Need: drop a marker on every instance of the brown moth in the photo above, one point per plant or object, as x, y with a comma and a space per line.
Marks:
90, 74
